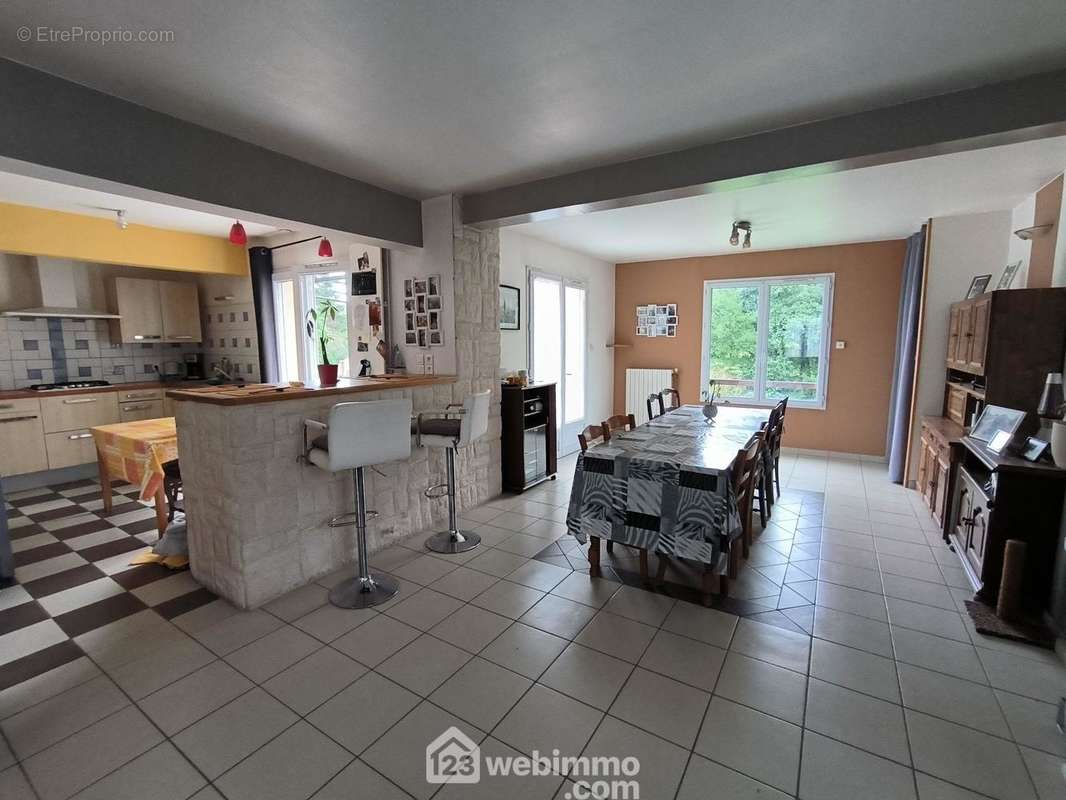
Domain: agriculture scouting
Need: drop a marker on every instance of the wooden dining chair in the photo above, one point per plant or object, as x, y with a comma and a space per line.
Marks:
775, 443
674, 395
745, 474
655, 402
619, 422
591, 434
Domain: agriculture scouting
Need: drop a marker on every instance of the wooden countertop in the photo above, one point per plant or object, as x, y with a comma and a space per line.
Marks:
18, 394
269, 393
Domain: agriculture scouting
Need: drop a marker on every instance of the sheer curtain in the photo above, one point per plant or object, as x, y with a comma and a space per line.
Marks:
899, 409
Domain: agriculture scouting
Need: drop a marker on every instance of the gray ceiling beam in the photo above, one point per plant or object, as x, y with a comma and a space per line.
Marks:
61, 125
1002, 113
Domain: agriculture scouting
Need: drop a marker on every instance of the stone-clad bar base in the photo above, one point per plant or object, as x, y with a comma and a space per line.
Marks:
257, 517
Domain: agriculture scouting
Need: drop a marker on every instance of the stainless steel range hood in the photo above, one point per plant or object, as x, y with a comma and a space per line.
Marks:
59, 297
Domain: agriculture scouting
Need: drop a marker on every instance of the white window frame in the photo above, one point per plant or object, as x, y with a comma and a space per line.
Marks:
763, 285
531, 274
307, 357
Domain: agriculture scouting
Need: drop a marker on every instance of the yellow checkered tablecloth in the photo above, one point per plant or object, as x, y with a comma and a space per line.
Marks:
137, 451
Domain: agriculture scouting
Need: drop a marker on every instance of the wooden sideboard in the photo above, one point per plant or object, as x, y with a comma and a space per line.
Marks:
529, 440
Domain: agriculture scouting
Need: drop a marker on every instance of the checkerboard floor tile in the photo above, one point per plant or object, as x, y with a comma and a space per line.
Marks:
842, 664
66, 549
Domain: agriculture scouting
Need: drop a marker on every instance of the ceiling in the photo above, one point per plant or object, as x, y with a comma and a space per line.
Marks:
27, 191
862, 205
426, 97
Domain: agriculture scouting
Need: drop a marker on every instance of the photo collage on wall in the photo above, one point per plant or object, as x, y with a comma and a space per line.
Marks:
422, 312
655, 320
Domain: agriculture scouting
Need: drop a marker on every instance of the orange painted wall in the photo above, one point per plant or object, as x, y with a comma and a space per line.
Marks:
865, 311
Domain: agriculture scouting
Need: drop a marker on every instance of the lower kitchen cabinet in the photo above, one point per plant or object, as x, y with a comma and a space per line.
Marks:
22, 433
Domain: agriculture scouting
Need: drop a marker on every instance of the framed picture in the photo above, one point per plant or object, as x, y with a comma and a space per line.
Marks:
421, 320
1034, 449
510, 308
1007, 278
409, 304
422, 339
642, 330
420, 303
434, 321
408, 288
409, 322
978, 286
433, 286
671, 309
411, 338
996, 418
433, 302
436, 339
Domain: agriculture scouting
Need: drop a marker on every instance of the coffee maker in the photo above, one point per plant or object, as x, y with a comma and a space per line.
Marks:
194, 366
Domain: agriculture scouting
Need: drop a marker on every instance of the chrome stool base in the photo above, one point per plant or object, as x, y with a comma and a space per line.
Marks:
452, 542
360, 592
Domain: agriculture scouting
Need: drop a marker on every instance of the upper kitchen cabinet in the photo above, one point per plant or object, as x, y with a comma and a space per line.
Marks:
155, 311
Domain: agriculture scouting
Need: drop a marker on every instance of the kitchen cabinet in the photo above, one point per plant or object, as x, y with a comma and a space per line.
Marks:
939, 437
22, 432
67, 413
140, 409
180, 309
70, 448
154, 311
529, 435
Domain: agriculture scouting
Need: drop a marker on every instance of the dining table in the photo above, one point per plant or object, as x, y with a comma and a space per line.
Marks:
665, 486
136, 452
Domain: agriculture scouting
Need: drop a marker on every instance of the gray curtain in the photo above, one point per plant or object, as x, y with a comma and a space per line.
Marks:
899, 409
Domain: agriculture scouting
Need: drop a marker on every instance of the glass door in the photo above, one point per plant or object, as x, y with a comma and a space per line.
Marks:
557, 349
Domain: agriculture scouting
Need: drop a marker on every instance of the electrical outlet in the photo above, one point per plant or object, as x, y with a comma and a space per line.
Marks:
427, 364
840, 345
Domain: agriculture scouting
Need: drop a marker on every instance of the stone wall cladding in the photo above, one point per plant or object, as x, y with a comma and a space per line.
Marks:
257, 518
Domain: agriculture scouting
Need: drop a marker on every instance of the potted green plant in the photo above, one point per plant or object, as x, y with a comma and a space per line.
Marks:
317, 331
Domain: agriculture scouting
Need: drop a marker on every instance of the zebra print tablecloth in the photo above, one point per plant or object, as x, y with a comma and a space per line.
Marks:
666, 485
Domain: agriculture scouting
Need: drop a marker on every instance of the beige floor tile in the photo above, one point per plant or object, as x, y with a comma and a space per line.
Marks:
224, 737
539, 575
424, 664
581, 588
939, 654
937, 621
424, 570
185, 701
763, 686
1047, 773
424, 609
834, 771
756, 744
497, 562
170, 662
294, 765
309, 683
79, 760
160, 774
357, 778
328, 622
400, 754
235, 631
617, 636
662, 764
930, 788
279, 650
587, 675
375, 640
1041, 680
853, 631
1033, 723
545, 719
463, 583
508, 599
558, 615
14, 786
855, 669
661, 706
471, 628
858, 719
525, 650
684, 659
773, 644
946, 696
702, 774
300, 602
362, 712
481, 693
969, 758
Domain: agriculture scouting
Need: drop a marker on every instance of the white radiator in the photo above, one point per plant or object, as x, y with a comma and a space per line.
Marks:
642, 382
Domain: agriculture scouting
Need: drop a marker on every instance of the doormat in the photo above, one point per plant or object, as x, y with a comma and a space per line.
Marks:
985, 620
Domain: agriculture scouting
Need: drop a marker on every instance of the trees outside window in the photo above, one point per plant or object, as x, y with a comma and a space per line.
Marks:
767, 339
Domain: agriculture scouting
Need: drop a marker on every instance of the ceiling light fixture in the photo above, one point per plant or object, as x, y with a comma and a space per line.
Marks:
325, 249
738, 226
237, 234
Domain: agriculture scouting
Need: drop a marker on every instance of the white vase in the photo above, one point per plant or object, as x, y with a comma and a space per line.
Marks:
1058, 442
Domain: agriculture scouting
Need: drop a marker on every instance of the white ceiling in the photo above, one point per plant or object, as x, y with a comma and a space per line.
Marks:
27, 191
863, 205
428, 97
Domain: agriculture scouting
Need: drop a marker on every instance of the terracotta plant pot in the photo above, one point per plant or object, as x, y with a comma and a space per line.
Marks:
327, 374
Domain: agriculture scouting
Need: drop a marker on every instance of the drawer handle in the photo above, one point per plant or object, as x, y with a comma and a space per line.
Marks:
183, 336
74, 436
80, 400
140, 396
139, 407
140, 336
18, 419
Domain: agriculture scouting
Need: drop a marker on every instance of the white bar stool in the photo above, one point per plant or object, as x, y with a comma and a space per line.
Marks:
456, 426
360, 435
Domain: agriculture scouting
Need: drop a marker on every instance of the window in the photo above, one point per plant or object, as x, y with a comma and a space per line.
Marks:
767, 339
294, 295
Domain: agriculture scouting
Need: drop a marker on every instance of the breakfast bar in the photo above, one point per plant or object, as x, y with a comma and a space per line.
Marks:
257, 517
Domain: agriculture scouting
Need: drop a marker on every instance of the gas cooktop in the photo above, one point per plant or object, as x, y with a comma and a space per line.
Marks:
52, 387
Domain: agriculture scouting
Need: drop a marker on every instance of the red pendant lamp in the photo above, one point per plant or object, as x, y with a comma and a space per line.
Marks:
237, 234
325, 249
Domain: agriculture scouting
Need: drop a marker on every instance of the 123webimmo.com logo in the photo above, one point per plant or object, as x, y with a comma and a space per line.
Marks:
453, 757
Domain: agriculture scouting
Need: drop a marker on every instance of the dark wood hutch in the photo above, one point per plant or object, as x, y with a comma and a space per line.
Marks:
1001, 346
